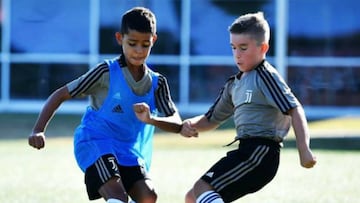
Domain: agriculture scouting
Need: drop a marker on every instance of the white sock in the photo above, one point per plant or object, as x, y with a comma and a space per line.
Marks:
209, 197
111, 200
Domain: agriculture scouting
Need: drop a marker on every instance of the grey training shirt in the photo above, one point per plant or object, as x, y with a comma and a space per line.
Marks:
259, 101
95, 84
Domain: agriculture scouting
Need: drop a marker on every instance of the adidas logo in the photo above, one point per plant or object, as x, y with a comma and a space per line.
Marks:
117, 109
210, 174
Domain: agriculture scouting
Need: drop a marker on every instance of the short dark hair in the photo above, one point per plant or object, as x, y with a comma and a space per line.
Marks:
140, 19
253, 24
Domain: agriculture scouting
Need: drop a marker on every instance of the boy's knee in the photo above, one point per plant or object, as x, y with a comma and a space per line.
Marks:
190, 197
152, 197
200, 187
148, 198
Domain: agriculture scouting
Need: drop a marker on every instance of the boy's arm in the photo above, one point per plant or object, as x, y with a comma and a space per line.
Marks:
299, 123
192, 126
37, 137
201, 123
171, 123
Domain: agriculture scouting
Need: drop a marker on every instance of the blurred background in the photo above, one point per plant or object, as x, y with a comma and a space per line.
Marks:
315, 45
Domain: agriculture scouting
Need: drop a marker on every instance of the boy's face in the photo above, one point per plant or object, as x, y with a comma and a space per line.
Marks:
136, 46
246, 52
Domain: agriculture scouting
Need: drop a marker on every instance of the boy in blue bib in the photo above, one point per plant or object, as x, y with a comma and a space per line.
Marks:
113, 143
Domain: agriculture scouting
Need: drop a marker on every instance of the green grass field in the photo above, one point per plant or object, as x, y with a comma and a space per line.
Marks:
51, 174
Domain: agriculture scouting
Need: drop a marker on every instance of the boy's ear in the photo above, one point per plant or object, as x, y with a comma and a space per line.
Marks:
118, 37
264, 47
154, 39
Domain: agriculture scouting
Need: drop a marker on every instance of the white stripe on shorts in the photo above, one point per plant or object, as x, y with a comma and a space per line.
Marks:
103, 172
242, 169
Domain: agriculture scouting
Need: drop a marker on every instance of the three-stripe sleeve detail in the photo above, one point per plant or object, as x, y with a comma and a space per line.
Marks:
163, 99
274, 89
90, 79
211, 109
209, 113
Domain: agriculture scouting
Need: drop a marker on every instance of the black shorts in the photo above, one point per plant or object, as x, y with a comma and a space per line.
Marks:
107, 167
244, 170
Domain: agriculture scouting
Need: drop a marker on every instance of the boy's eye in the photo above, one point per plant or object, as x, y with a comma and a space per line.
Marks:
133, 44
243, 48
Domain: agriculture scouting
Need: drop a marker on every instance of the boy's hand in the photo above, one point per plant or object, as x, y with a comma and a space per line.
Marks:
307, 159
37, 140
187, 130
142, 112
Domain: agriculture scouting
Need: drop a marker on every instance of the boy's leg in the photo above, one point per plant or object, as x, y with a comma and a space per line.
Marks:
143, 191
190, 196
102, 179
113, 190
205, 194
209, 197
241, 171
138, 184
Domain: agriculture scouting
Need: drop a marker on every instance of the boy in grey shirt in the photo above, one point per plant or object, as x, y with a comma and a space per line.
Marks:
263, 108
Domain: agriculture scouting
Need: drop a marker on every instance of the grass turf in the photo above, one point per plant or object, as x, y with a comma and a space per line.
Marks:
51, 174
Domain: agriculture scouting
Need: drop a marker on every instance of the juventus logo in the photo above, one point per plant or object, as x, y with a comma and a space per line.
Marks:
248, 96
112, 161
